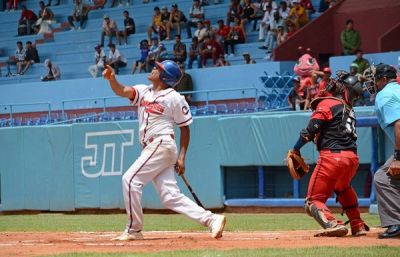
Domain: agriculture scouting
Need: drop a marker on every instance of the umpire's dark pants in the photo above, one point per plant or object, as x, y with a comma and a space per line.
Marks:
387, 195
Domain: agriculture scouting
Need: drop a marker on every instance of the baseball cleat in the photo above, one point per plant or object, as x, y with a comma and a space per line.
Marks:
217, 226
125, 236
337, 231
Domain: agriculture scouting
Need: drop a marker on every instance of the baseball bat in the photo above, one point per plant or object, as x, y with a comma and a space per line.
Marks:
191, 190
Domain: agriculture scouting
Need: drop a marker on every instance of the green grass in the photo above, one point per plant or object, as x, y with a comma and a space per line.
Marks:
160, 222
380, 251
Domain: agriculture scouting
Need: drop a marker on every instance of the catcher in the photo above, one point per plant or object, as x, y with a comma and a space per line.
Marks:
332, 128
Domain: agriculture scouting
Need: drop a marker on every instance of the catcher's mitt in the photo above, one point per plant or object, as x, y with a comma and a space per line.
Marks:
296, 165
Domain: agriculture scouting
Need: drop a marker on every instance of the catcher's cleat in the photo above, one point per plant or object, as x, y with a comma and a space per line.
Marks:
217, 226
125, 236
337, 231
360, 230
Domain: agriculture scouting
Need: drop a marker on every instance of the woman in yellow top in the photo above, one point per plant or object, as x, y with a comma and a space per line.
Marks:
298, 15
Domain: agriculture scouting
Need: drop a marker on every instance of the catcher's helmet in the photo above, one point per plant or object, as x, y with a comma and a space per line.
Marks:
170, 72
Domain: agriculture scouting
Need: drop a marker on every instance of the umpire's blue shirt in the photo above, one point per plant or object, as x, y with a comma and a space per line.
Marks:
387, 108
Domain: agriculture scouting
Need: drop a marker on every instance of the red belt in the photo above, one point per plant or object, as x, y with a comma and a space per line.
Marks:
151, 139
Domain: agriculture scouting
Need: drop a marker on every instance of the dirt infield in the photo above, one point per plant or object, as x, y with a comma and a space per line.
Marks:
33, 244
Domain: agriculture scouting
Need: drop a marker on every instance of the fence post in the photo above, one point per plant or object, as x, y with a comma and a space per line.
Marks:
261, 179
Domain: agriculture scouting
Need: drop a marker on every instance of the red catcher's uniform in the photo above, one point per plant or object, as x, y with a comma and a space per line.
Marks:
332, 126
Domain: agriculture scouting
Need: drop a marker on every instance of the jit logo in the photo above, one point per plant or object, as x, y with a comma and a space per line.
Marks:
105, 146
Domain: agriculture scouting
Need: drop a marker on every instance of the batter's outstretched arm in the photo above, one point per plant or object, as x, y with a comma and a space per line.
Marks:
117, 87
184, 143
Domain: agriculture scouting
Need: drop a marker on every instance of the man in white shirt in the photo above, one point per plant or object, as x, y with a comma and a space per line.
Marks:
110, 29
201, 32
160, 107
265, 22
196, 14
100, 59
115, 59
18, 59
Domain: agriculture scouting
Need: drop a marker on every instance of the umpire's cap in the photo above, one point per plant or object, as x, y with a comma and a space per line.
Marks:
384, 70
170, 73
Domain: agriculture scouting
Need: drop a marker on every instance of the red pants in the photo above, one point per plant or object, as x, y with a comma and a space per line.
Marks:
12, 4
333, 173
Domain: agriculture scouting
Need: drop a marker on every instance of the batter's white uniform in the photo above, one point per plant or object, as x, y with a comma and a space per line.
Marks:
158, 113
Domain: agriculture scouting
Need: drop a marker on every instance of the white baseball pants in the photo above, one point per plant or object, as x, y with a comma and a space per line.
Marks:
156, 163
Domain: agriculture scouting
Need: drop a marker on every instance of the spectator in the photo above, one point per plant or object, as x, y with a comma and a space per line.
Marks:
291, 29
323, 6
270, 40
129, 25
194, 53
281, 35
180, 53
46, 17
115, 59
185, 84
49, 3
31, 56
18, 59
354, 69
350, 39
196, 14
99, 4
201, 31
99, 61
308, 6
362, 63
163, 54
27, 20
312, 91
222, 61
165, 15
222, 32
325, 76
144, 53
79, 13
110, 29
298, 15
235, 10
153, 54
264, 25
259, 9
235, 36
176, 18
247, 59
128, 2
12, 5
156, 23
248, 14
283, 10
53, 71
210, 30
296, 96
208, 50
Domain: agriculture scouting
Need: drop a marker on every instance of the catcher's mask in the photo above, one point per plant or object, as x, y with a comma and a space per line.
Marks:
375, 73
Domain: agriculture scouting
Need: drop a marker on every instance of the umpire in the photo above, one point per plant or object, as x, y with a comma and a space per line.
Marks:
381, 80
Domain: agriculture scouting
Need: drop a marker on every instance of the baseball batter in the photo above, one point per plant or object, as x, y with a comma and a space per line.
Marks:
332, 127
159, 108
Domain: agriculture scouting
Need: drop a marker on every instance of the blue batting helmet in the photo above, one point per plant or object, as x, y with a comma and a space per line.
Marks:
170, 72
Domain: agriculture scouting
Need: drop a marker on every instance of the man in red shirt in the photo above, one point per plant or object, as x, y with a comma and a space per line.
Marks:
223, 31
209, 49
28, 18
